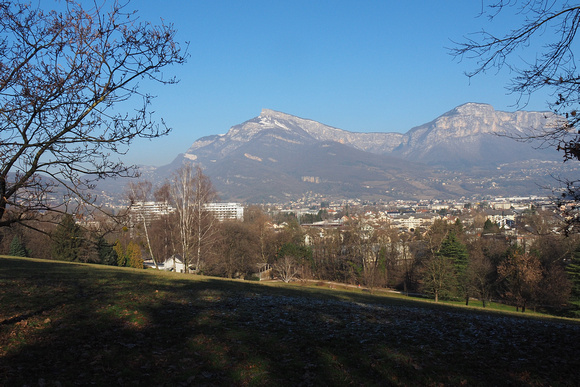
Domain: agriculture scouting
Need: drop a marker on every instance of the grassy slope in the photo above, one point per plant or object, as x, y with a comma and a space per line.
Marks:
65, 324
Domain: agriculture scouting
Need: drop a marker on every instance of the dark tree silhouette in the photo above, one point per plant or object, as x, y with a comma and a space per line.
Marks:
540, 53
67, 240
70, 99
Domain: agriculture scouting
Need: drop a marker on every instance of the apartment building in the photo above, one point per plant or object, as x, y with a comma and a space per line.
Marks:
223, 211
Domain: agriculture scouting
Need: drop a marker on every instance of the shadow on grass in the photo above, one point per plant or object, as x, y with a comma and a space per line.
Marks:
122, 327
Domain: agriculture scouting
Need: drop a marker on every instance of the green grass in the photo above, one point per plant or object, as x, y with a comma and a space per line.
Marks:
75, 324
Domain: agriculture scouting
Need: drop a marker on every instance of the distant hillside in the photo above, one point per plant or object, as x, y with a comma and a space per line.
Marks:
476, 135
464, 152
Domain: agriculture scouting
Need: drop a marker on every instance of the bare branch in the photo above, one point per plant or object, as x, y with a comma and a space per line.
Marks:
61, 74
553, 68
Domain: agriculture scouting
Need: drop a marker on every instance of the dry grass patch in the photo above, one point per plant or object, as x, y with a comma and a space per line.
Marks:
65, 324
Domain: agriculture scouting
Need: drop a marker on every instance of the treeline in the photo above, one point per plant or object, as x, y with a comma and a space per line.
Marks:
532, 266
64, 239
446, 261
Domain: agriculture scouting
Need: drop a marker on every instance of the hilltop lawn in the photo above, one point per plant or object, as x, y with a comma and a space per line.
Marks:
75, 324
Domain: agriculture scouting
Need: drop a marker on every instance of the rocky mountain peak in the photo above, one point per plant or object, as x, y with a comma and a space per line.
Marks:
475, 119
273, 114
463, 129
277, 155
472, 108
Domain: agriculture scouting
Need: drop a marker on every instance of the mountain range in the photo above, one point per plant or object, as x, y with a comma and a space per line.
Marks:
468, 151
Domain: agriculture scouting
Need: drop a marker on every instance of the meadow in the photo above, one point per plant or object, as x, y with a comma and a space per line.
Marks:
78, 324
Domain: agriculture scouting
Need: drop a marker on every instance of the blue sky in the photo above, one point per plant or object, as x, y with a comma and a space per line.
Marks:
360, 65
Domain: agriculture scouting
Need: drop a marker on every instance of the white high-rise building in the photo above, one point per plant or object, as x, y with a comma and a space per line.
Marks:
223, 211
149, 210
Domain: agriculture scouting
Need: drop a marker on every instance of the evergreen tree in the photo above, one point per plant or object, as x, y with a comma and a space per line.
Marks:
17, 247
106, 252
296, 251
67, 240
121, 254
458, 226
134, 255
452, 249
130, 256
490, 227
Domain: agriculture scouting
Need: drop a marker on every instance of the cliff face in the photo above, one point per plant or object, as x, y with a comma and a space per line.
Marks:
472, 120
285, 127
468, 150
476, 134
470, 130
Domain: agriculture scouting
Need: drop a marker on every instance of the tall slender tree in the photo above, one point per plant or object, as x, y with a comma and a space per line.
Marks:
139, 193
191, 191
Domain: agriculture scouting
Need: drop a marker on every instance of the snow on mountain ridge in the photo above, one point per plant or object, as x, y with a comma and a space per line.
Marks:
463, 123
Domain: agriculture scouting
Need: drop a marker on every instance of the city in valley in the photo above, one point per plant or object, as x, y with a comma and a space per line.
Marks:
389, 245
289, 193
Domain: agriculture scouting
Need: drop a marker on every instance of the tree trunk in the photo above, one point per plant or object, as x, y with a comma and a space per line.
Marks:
3, 196
149, 242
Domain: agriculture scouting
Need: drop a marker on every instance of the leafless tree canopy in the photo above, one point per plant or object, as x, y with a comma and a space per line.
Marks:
554, 67
547, 35
70, 97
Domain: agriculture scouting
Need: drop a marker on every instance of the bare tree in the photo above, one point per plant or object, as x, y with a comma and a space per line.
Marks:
163, 230
139, 193
364, 252
204, 220
438, 271
521, 273
540, 54
66, 79
191, 191
260, 223
239, 249
182, 198
479, 272
407, 259
286, 268
326, 253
